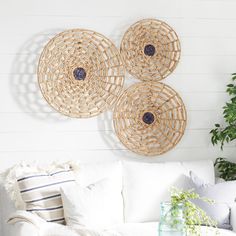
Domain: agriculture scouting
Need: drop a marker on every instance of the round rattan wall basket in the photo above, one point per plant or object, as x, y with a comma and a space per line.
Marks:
150, 118
150, 49
80, 73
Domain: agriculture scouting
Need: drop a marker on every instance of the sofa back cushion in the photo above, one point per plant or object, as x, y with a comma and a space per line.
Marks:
90, 173
146, 185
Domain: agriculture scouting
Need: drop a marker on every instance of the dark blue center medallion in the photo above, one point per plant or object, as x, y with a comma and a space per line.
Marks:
79, 73
149, 50
148, 118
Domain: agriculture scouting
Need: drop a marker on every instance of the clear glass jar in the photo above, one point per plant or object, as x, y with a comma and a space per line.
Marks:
172, 222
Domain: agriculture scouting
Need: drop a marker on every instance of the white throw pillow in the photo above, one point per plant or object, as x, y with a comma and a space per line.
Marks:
223, 194
146, 185
97, 206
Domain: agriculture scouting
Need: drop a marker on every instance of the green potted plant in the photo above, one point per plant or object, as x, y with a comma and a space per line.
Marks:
222, 134
226, 169
182, 216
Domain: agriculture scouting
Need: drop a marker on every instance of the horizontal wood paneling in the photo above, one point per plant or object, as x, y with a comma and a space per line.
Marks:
85, 140
110, 155
205, 45
202, 64
31, 130
107, 8
196, 120
186, 27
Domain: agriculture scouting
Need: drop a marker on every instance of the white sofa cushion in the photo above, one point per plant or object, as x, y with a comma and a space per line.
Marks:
93, 172
146, 185
97, 206
220, 210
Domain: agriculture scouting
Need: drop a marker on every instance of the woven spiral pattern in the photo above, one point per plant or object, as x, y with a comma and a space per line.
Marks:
150, 49
80, 73
149, 118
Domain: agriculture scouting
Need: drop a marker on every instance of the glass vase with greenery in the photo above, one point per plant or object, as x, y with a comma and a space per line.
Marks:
193, 215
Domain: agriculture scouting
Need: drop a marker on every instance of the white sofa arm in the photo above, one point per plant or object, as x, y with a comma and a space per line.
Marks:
23, 229
233, 217
25, 223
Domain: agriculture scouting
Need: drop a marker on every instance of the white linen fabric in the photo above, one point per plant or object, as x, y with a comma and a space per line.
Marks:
28, 224
42, 228
221, 192
146, 185
10, 194
233, 217
94, 172
97, 206
90, 173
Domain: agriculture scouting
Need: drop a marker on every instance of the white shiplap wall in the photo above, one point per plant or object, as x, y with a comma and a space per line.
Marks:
30, 130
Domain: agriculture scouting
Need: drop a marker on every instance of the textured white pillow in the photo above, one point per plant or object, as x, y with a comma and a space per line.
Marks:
97, 206
224, 195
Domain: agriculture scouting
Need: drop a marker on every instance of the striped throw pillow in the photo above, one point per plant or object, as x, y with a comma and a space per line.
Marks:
41, 193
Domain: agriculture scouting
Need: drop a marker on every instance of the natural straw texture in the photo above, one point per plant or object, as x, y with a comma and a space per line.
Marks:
150, 49
80, 73
150, 118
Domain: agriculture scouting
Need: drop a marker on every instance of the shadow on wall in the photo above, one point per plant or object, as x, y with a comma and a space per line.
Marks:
23, 78
105, 120
26, 93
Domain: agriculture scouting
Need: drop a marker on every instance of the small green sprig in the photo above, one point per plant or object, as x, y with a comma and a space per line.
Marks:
193, 215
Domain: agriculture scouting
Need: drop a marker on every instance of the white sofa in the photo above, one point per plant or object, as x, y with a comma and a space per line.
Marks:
145, 185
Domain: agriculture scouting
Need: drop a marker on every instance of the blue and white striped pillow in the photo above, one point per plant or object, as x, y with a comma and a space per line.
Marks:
41, 193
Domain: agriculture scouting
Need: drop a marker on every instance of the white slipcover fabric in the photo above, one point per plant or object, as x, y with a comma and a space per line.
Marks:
146, 185
93, 172
39, 228
134, 177
97, 206
233, 217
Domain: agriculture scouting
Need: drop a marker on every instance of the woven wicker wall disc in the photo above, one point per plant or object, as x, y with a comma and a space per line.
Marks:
150, 118
80, 73
150, 49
